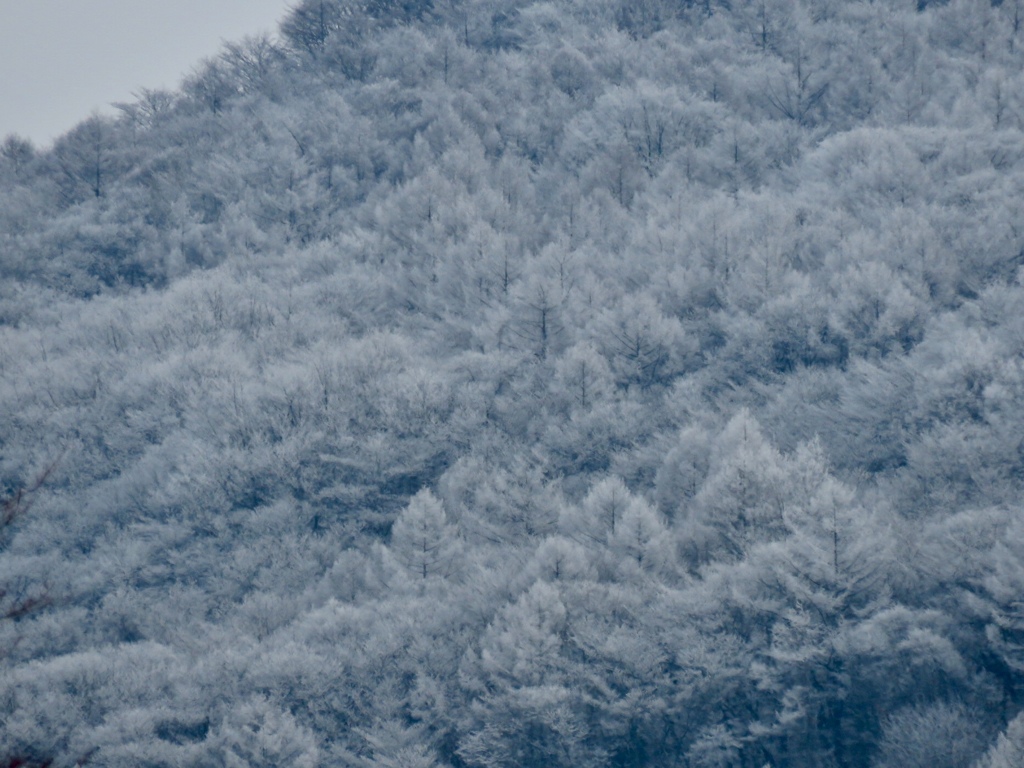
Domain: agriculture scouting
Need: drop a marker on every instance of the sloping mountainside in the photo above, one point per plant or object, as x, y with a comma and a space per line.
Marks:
500, 384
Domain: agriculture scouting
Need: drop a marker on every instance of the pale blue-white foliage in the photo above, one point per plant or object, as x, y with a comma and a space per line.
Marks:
504, 383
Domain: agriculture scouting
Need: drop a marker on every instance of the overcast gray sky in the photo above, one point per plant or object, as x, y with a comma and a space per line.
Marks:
62, 59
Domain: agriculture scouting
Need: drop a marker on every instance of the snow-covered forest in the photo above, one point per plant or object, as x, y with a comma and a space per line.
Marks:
522, 383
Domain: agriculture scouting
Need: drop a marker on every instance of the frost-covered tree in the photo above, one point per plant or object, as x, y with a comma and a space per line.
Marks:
595, 521
257, 734
423, 541
742, 500
938, 734
641, 542
89, 160
1008, 749
525, 713
17, 152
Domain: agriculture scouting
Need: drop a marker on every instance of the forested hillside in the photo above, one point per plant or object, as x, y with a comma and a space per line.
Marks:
509, 383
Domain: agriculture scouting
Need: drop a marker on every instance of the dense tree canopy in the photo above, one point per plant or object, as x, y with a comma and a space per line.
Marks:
501, 383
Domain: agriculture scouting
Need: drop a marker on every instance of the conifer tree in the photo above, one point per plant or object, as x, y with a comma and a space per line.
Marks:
422, 540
